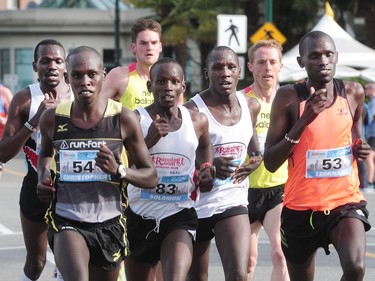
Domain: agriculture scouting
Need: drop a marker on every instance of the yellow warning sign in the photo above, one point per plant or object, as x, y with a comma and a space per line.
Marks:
268, 31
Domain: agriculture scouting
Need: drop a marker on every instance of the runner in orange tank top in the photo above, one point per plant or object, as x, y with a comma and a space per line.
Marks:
317, 126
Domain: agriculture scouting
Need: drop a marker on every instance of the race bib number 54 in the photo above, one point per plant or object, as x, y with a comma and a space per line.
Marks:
79, 166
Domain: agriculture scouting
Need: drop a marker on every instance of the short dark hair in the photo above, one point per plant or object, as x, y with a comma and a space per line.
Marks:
315, 34
46, 42
82, 49
144, 24
163, 60
216, 49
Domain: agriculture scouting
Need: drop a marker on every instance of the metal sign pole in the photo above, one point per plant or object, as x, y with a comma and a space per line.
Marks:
117, 34
268, 12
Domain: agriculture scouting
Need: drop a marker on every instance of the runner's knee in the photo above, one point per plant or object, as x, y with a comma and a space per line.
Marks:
277, 257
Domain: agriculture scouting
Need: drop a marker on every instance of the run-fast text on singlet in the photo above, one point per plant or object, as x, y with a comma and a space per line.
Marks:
175, 182
78, 165
329, 163
234, 150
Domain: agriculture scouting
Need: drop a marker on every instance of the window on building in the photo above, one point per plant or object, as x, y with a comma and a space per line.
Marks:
109, 59
4, 63
24, 71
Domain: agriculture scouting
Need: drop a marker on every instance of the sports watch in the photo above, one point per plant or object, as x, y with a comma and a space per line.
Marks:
121, 171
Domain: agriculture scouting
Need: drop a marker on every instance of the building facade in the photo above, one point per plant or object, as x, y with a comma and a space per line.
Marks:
22, 29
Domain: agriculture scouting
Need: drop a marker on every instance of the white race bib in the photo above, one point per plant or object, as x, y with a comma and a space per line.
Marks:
329, 163
169, 189
79, 166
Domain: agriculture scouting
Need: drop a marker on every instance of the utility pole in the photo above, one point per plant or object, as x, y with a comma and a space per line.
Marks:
268, 10
117, 34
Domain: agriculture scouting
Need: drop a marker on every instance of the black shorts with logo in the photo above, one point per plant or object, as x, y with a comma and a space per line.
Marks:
303, 232
261, 200
106, 241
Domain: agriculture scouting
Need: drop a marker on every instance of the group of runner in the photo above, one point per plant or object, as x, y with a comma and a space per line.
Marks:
119, 170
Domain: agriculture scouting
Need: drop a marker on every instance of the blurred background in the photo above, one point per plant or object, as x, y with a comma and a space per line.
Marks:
190, 30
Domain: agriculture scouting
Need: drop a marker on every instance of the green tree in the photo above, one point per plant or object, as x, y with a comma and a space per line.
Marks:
196, 19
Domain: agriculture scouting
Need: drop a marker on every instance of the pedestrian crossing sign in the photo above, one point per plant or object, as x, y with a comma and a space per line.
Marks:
232, 32
268, 31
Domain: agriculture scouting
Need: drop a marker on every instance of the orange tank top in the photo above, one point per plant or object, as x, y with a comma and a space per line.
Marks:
322, 171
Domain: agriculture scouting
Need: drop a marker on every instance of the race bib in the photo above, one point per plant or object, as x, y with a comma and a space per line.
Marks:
329, 163
219, 182
169, 189
79, 166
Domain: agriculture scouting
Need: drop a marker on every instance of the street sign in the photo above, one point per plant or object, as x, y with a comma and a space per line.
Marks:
268, 31
232, 32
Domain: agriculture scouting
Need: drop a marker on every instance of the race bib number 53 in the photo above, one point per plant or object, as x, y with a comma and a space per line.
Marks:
329, 163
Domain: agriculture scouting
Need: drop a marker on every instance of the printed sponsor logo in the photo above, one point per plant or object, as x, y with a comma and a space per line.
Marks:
62, 128
170, 161
89, 144
229, 150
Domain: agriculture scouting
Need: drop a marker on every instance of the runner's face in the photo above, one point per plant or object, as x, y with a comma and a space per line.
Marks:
320, 59
86, 75
147, 48
266, 67
167, 84
223, 71
50, 65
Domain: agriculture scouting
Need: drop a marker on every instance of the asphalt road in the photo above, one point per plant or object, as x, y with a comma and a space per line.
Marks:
12, 250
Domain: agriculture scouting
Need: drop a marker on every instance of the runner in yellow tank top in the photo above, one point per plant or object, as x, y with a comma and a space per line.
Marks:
136, 93
128, 83
266, 189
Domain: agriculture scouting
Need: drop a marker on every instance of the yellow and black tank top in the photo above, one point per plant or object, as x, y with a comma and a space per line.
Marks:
83, 191
136, 93
261, 177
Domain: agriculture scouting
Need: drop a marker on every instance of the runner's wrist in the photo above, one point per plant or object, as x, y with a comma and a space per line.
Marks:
121, 172
291, 140
30, 127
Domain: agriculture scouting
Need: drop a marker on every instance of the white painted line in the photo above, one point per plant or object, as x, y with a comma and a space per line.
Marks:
50, 257
5, 230
11, 234
11, 248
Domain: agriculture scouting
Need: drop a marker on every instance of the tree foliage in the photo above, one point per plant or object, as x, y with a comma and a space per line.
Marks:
196, 20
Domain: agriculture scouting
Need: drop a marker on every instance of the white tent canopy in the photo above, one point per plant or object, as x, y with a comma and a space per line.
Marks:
368, 74
354, 58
